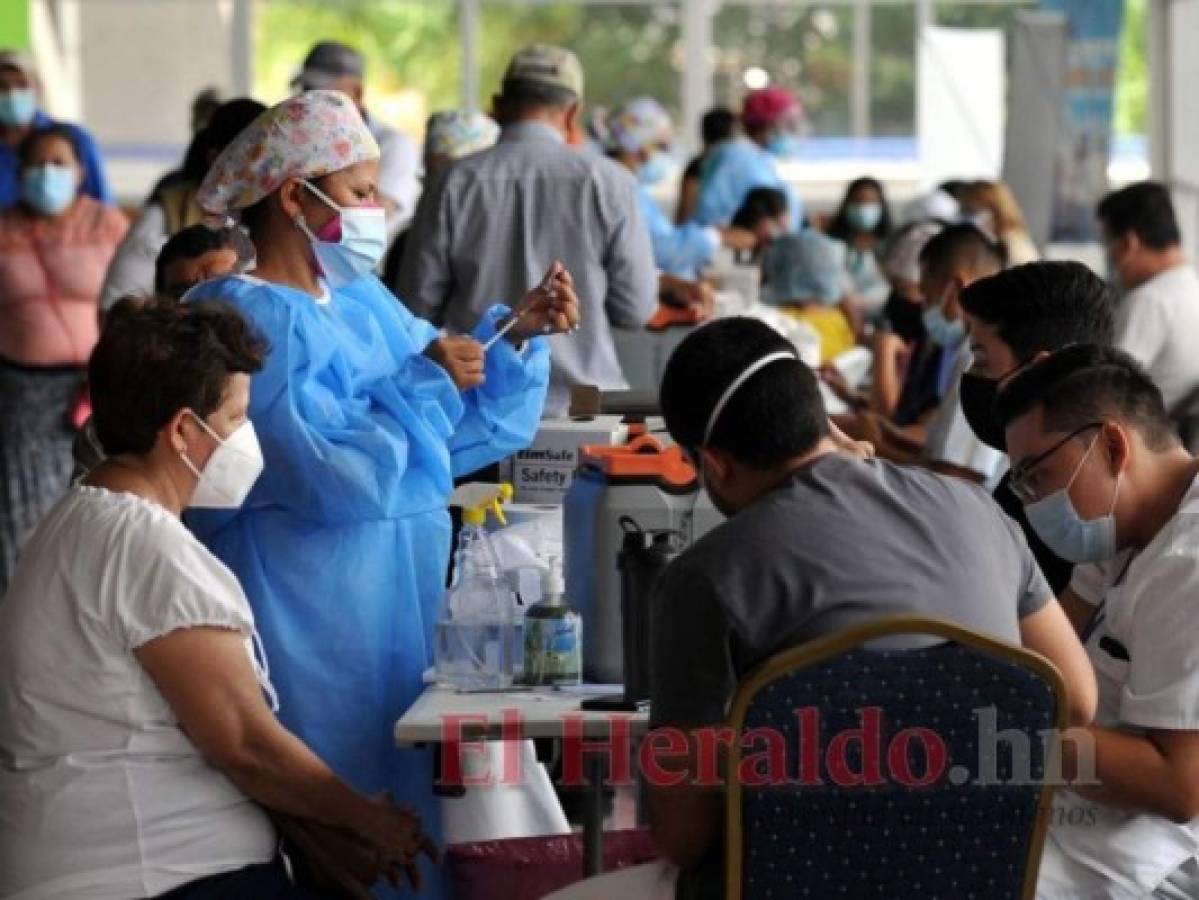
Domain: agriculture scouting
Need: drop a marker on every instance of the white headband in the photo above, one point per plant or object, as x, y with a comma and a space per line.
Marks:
750, 371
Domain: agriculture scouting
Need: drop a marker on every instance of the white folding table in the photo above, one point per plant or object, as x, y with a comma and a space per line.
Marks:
443, 715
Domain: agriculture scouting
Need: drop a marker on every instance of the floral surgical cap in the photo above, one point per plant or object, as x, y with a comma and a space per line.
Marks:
310, 135
455, 133
638, 125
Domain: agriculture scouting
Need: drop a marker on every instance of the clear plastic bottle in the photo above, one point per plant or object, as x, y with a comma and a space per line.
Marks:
476, 630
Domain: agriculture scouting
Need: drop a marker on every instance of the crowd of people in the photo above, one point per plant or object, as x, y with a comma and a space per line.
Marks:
229, 431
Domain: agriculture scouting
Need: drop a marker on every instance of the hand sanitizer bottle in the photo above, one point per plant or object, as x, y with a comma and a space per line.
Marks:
553, 635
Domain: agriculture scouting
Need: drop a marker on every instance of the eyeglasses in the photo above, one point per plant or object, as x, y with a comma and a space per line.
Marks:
1023, 479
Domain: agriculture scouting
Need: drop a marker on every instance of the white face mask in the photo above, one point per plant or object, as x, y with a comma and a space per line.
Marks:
360, 247
230, 472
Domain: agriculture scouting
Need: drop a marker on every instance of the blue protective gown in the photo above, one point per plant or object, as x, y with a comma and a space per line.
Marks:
680, 250
734, 169
342, 545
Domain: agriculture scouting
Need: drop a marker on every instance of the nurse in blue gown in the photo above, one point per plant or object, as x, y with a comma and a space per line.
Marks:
365, 416
639, 135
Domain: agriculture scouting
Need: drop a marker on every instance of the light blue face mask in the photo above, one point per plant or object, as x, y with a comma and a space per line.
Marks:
863, 216
49, 188
1067, 534
943, 332
359, 247
654, 170
784, 145
17, 107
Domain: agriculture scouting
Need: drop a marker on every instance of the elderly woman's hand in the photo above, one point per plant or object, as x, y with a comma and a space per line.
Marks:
397, 837
550, 308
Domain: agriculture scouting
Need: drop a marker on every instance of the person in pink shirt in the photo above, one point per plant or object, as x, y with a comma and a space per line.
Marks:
55, 247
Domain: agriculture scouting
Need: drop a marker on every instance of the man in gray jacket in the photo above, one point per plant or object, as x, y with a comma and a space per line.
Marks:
497, 220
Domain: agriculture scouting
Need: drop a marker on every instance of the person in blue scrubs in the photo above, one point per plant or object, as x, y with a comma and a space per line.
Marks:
639, 136
365, 416
20, 116
771, 119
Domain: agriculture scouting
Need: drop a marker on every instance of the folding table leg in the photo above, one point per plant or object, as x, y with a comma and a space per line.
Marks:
593, 815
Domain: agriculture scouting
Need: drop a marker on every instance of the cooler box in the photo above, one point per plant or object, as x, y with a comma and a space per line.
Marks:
543, 472
647, 481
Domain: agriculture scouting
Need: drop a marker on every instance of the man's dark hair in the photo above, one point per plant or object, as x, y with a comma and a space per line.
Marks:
953, 187
718, 124
963, 245
519, 96
1044, 306
760, 203
35, 137
191, 242
156, 357
1083, 384
776, 415
1146, 210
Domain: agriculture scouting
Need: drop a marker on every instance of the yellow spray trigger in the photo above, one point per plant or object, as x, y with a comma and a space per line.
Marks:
504, 496
477, 499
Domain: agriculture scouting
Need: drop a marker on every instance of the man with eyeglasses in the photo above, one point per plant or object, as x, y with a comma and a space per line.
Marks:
1106, 482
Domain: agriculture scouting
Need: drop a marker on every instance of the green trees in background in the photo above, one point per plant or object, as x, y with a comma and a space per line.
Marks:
635, 50
1132, 82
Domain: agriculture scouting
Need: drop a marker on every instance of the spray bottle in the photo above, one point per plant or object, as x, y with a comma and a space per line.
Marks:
553, 634
475, 643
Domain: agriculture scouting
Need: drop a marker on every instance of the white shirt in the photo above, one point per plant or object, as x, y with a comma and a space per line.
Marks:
1157, 323
1147, 607
399, 173
131, 272
102, 795
950, 437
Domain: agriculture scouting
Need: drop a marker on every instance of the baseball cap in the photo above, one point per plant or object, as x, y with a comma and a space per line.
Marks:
768, 106
543, 64
328, 62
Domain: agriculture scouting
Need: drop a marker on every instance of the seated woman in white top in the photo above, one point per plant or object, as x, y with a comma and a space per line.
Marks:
138, 753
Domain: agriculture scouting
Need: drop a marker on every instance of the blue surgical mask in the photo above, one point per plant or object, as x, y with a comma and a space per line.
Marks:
17, 107
50, 188
1067, 534
361, 246
944, 333
863, 216
783, 144
656, 168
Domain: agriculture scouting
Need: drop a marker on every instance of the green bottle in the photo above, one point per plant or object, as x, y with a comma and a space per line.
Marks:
553, 634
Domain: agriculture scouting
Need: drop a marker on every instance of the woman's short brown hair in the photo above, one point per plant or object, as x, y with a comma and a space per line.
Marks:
158, 356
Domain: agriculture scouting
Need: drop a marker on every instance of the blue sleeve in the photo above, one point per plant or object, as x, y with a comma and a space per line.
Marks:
95, 184
720, 193
795, 206
680, 250
347, 433
502, 414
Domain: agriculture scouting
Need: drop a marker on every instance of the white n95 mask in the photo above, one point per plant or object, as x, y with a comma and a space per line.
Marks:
230, 472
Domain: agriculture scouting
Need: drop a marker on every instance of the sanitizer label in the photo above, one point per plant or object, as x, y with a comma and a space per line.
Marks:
553, 651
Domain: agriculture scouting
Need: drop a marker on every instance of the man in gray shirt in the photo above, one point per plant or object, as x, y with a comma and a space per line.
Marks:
816, 540
500, 218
